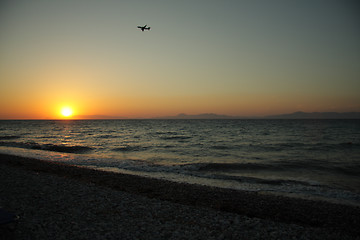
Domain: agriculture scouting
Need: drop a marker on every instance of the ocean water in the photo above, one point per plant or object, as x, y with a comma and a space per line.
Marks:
317, 159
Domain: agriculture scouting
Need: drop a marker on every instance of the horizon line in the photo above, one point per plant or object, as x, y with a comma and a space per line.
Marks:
204, 116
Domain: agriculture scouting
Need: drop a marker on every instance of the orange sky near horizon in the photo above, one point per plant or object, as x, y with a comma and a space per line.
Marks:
250, 58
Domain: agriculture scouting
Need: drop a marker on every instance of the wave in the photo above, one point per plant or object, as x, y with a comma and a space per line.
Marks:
175, 137
283, 147
48, 147
318, 147
107, 136
67, 149
279, 166
128, 148
256, 180
333, 146
9, 137
232, 166
221, 147
166, 133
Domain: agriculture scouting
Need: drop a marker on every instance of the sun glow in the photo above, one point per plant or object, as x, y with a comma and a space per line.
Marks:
66, 112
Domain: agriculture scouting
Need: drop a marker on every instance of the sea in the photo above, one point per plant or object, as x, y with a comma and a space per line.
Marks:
312, 159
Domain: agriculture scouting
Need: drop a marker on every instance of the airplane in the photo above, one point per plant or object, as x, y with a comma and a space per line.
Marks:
144, 28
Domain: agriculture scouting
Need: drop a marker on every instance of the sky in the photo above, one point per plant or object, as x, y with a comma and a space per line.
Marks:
233, 57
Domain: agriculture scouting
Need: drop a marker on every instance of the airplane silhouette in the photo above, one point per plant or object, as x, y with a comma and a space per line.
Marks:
144, 28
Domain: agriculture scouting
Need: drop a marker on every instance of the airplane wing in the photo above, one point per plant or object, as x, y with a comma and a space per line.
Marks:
144, 27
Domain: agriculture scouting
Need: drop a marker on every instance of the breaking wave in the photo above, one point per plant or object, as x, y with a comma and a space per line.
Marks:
349, 169
48, 147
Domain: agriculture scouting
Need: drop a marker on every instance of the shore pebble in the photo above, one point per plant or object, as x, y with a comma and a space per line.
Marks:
53, 207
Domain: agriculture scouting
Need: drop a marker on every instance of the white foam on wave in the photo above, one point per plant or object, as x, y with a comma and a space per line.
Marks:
315, 192
188, 174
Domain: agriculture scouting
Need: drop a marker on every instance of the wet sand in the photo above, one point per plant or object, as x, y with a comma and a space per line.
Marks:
260, 216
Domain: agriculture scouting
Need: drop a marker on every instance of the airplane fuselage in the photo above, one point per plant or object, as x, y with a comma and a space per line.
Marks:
144, 28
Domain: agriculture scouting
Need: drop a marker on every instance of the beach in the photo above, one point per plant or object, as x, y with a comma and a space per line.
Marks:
59, 201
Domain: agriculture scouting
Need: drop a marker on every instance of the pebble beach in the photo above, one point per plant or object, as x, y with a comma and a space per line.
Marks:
58, 201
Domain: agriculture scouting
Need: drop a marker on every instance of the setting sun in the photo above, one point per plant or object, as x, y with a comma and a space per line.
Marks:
66, 112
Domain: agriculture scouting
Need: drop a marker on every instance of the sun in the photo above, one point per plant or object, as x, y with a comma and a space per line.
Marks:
66, 112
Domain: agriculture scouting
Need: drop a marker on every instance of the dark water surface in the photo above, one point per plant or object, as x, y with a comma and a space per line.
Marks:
313, 158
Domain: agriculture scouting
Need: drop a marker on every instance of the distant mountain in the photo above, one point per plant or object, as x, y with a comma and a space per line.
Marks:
295, 115
317, 115
199, 116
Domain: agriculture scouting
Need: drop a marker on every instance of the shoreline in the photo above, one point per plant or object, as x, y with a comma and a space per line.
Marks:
335, 218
